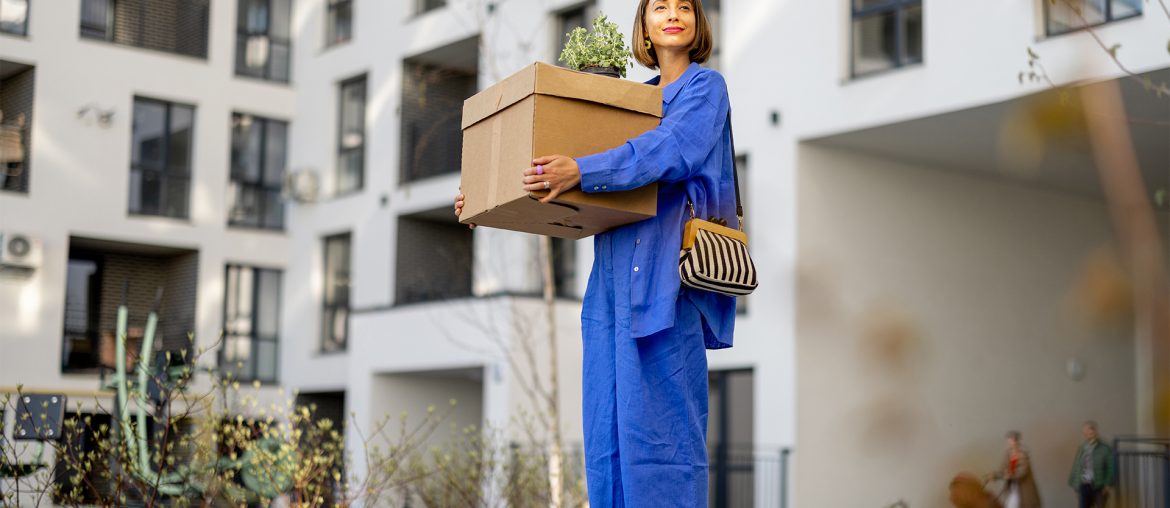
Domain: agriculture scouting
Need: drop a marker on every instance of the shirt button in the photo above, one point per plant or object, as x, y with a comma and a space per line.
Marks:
635, 268
638, 241
603, 187
595, 187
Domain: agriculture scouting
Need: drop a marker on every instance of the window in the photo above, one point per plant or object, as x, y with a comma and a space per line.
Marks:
422, 6
434, 86
564, 261
259, 148
351, 136
567, 20
1064, 16
262, 39
887, 34
339, 25
174, 26
335, 325
16, 101
79, 350
14, 17
160, 162
434, 258
251, 324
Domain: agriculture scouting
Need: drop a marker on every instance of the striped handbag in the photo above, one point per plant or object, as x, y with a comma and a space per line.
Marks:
715, 257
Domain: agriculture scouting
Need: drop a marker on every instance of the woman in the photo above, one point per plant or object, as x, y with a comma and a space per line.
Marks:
645, 367
1019, 488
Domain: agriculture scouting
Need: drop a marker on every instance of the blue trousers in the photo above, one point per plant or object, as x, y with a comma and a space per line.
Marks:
645, 403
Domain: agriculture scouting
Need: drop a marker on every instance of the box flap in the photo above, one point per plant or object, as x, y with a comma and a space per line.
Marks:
545, 79
619, 93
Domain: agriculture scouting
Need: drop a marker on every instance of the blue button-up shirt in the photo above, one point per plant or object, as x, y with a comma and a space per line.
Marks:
689, 155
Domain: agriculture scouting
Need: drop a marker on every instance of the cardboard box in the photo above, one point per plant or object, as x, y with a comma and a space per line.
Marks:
547, 110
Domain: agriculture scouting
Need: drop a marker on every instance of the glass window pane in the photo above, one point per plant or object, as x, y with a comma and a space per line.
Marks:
280, 22
874, 43
278, 62
1126, 8
275, 153
245, 202
177, 194
179, 148
146, 192
95, 18
353, 113
340, 22
253, 16
913, 20
266, 360
149, 134
1064, 18
252, 55
13, 16
245, 148
241, 285
349, 176
273, 210
78, 289
237, 355
268, 304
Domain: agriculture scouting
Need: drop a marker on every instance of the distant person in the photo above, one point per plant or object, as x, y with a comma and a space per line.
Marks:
1019, 488
1093, 470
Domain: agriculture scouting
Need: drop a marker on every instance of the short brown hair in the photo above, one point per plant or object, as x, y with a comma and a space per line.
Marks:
700, 48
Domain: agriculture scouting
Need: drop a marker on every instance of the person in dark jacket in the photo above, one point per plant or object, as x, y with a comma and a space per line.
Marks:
1093, 470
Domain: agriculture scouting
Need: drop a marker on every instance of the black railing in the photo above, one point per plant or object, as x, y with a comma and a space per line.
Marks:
1143, 471
748, 477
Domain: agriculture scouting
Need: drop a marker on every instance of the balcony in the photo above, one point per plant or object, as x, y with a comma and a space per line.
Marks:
435, 84
173, 26
16, 101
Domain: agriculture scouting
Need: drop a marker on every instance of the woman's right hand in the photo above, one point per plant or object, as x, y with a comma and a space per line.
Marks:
459, 209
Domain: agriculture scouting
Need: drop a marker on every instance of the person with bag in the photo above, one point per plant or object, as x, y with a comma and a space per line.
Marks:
1019, 487
644, 332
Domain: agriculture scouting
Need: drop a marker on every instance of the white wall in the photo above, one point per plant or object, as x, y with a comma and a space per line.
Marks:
937, 312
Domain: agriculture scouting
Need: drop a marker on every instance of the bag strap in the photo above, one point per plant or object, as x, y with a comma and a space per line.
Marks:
734, 175
735, 170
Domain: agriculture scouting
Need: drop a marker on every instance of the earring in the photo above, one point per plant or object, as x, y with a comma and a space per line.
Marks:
648, 45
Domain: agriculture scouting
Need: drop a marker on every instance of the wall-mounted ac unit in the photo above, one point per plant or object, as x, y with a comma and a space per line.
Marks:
19, 250
302, 185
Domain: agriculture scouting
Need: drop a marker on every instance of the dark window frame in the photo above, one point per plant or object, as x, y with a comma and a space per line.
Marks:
254, 337
332, 8
24, 26
105, 32
1108, 18
331, 308
242, 36
268, 189
93, 317
898, 8
163, 174
342, 151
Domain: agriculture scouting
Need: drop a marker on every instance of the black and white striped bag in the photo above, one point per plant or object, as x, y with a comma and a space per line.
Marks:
715, 257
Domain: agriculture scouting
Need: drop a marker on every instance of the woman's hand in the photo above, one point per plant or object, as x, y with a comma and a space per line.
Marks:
459, 209
561, 174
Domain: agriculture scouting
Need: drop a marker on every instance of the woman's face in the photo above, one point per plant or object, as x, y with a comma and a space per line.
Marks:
670, 24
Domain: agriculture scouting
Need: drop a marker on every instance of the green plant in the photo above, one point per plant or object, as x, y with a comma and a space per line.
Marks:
603, 47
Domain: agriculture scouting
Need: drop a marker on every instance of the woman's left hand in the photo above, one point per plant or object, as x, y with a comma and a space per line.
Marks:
561, 173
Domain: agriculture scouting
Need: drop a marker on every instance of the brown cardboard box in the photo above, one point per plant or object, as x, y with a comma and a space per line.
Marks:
547, 110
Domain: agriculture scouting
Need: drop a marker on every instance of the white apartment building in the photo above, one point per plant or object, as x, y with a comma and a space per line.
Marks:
923, 265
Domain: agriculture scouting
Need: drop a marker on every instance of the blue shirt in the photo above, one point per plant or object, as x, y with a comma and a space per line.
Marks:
689, 155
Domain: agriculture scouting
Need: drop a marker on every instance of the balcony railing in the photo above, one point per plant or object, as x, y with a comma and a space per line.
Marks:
1143, 471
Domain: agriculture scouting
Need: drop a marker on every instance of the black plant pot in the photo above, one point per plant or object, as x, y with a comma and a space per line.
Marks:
603, 71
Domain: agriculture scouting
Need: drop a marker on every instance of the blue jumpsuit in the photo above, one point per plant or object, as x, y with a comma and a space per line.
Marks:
645, 364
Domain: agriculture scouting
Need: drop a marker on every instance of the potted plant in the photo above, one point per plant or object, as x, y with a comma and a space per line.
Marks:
602, 51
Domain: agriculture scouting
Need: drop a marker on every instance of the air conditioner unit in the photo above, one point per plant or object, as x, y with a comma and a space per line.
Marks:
302, 185
19, 250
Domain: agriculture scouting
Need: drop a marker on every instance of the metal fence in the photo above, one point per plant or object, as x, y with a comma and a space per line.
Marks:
1143, 472
748, 477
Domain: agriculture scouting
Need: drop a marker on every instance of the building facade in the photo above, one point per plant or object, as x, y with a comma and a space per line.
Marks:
284, 171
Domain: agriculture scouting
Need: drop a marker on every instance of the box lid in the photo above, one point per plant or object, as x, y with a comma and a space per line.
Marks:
545, 79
